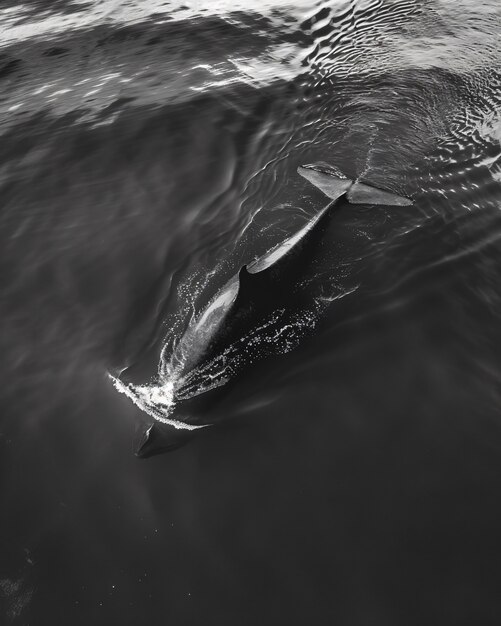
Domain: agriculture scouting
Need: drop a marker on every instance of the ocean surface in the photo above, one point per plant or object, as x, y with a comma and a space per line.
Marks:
148, 150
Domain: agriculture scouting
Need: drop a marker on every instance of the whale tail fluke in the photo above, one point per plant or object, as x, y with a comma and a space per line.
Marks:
360, 193
328, 179
334, 184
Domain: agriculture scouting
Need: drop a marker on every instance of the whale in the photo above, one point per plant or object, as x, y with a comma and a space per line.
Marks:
264, 310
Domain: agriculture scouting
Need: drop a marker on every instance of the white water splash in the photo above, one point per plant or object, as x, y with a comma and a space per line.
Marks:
157, 400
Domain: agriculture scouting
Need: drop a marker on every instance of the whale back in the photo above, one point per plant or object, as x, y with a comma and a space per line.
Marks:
334, 184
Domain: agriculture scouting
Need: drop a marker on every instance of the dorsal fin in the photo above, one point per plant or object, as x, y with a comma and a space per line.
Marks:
244, 276
248, 282
327, 178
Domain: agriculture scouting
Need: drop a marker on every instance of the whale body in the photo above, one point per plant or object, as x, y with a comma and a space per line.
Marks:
263, 310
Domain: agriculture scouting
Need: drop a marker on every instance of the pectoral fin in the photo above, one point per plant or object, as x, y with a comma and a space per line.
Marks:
156, 438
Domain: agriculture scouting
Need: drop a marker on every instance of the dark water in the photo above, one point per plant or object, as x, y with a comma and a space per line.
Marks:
145, 154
